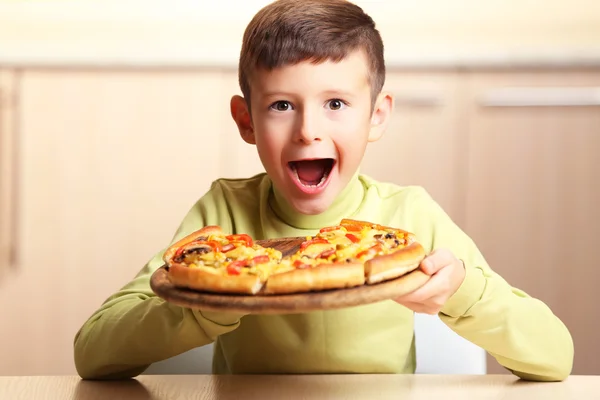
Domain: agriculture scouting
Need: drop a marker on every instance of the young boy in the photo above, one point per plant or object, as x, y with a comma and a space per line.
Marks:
311, 73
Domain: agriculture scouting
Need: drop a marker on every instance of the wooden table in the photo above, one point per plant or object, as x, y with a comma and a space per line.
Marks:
263, 387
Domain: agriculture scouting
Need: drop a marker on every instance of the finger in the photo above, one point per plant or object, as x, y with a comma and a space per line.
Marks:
436, 285
437, 260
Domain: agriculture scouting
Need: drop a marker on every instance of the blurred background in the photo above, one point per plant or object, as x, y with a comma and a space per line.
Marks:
114, 120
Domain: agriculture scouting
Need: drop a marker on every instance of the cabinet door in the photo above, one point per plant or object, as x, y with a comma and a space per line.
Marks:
8, 81
424, 144
109, 163
533, 193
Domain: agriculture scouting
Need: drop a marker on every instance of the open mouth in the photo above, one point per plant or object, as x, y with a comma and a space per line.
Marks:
312, 173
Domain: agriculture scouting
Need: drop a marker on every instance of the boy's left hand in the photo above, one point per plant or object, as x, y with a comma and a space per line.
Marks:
447, 274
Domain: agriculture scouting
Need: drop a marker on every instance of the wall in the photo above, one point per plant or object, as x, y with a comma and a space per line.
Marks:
135, 32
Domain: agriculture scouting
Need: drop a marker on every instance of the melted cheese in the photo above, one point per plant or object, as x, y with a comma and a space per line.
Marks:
348, 252
217, 262
315, 249
241, 252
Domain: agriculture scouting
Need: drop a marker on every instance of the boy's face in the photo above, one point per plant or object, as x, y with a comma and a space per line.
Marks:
311, 124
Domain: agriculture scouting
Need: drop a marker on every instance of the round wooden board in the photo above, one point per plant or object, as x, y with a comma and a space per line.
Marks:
285, 303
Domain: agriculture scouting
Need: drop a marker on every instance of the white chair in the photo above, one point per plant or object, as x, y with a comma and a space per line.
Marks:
195, 361
439, 351
442, 351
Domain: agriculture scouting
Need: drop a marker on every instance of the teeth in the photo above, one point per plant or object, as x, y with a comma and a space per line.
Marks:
321, 181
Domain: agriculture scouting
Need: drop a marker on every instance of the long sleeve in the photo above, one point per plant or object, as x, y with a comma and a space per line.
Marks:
519, 331
134, 328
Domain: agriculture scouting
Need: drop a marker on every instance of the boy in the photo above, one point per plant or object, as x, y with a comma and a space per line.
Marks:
311, 73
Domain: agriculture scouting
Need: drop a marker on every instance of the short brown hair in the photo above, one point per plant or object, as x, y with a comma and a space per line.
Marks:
287, 32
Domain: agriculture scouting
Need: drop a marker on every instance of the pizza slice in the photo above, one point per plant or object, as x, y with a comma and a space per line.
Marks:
210, 260
386, 252
314, 267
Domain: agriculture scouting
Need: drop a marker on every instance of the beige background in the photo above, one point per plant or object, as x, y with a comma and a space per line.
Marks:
94, 120
207, 32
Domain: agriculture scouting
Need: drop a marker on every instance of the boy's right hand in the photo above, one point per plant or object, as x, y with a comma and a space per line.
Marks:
447, 274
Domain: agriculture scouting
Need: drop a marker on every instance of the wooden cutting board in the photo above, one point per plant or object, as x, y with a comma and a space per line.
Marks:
285, 303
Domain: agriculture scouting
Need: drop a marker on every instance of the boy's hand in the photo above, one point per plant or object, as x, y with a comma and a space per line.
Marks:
447, 273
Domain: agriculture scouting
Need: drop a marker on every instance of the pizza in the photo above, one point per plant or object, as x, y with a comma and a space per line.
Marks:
350, 254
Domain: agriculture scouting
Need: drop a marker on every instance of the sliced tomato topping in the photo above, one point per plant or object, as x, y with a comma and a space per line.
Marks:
228, 247
371, 251
241, 237
331, 228
327, 253
300, 265
352, 238
235, 268
311, 242
260, 259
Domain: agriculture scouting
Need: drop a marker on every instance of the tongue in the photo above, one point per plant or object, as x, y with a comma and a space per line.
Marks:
311, 171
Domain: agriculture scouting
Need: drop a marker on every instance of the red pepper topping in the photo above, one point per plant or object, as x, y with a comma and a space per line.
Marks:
311, 242
260, 259
327, 253
330, 228
214, 244
241, 237
235, 268
228, 247
352, 238
178, 253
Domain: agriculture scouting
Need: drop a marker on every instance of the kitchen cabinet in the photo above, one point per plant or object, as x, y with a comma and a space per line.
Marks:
105, 164
424, 142
533, 191
7, 177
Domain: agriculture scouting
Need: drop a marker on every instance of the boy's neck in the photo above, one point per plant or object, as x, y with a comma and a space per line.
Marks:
347, 202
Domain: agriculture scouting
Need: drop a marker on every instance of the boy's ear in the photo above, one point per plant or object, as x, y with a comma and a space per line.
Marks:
381, 114
241, 116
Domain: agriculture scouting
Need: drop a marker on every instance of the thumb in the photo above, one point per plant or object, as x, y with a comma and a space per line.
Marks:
436, 260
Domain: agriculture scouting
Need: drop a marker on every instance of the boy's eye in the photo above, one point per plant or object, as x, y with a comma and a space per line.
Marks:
335, 104
281, 106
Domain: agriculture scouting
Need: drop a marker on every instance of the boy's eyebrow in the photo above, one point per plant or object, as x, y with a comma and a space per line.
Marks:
341, 93
275, 94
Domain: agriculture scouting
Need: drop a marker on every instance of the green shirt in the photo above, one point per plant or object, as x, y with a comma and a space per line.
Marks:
134, 328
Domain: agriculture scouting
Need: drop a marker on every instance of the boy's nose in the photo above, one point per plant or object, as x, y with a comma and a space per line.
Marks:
306, 129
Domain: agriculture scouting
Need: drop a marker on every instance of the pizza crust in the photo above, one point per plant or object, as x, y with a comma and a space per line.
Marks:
321, 277
200, 279
393, 265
